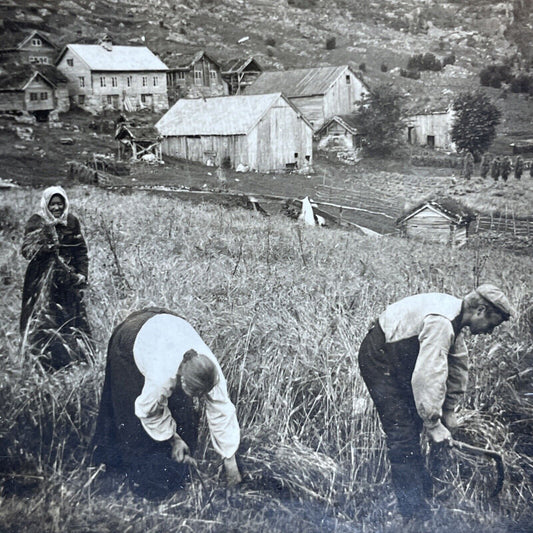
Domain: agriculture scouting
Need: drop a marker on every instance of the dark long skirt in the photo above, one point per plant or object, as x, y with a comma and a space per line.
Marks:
120, 441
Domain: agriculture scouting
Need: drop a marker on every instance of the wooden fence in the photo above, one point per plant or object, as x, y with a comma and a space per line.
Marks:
504, 223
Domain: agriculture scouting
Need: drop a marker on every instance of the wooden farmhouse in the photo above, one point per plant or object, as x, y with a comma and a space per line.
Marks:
29, 47
107, 77
194, 76
319, 93
431, 129
240, 73
34, 89
262, 132
444, 221
339, 133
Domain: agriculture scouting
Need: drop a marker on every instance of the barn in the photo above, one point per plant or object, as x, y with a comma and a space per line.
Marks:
431, 128
262, 132
319, 92
444, 221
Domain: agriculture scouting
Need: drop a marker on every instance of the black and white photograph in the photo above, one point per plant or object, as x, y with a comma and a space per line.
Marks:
266, 266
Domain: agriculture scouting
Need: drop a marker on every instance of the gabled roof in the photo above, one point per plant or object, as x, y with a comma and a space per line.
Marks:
128, 131
348, 122
237, 65
51, 73
446, 207
186, 61
299, 82
15, 40
116, 58
19, 77
222, 115
38, 34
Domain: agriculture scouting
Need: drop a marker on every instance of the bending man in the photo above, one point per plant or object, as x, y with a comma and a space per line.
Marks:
147, 425
414, 363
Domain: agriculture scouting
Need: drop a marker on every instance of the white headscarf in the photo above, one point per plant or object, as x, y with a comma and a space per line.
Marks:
45, 200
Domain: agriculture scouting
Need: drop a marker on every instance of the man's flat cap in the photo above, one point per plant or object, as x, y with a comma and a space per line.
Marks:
495, 296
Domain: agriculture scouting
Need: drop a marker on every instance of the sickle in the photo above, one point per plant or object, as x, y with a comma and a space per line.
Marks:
488, 453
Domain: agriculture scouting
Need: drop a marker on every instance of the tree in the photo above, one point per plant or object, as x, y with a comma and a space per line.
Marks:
379, 119
474, 125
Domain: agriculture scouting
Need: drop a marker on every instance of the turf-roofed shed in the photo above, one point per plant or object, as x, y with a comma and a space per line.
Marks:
262, 132
441, 220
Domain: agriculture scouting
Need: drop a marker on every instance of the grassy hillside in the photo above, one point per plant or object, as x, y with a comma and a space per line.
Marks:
284, 308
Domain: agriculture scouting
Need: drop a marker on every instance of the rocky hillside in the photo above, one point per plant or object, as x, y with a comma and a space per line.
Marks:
376, 37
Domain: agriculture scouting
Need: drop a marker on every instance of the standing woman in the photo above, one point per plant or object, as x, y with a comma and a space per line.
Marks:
147, 426
53, 320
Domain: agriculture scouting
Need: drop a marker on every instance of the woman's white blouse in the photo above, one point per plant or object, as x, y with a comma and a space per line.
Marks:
158, 352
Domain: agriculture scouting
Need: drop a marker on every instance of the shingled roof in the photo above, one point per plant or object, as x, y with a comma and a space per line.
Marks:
348, 122
299, 82
17, 77
236, 65
186, 61
449, 207
224, 115
117, 58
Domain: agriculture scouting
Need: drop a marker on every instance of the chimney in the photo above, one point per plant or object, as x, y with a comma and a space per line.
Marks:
106, 43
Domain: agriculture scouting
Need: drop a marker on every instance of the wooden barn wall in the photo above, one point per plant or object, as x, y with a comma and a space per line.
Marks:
341, 98
430, 226
437, 125
38, 86
12, 101
312, 108
200, 148
281, 137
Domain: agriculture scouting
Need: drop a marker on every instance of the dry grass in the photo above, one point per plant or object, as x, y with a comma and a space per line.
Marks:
284, 308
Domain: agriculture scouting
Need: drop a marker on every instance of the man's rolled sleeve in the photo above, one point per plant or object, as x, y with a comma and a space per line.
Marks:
431, 370
457, 374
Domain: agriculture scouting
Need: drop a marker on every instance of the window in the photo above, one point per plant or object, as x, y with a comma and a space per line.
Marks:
348, 79
145, 81
114, 81
81, 99
128, 81
213, 75
181, 75
34, 59
34, 97
43, 60
36, 42
198, 77
156, 81
110, 99
102, 81
431, 141
44, 96
146, 98
70, 62
81, 79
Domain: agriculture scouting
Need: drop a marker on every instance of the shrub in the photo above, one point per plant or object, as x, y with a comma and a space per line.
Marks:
494, 75
384, 67
523, 83
362, 67
448, 60
331, 43
270, 41
407, 73
302, 4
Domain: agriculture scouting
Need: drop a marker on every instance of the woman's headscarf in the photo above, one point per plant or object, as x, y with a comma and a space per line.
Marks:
45, 200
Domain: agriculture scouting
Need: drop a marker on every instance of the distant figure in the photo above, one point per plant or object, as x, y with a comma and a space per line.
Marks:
484, 168
506, 168
147, 425
495, 168
518, 167
414, 363
222, 178
307, 214
468, 166
53, 320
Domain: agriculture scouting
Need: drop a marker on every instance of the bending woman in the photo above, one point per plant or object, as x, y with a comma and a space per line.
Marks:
53, 321
147, 426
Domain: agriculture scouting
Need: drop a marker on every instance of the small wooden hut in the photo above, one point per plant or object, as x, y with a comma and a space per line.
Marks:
444, 220
135, 142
